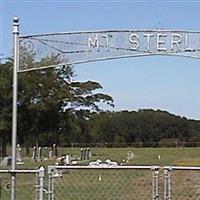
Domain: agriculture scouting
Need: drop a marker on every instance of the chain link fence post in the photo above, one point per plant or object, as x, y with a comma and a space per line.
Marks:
0, 186
155, 175
50, 182
167, 183
185, 182
41, 182
37, 186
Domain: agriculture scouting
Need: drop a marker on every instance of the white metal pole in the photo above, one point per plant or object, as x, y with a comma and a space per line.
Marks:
14, 109
41, 182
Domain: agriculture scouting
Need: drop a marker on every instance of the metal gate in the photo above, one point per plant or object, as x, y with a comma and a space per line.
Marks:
29, 184
103, 182
123, 183
182, 183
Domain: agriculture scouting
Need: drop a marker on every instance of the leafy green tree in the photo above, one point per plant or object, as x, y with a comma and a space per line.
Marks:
147, 126
5, 104
51, 107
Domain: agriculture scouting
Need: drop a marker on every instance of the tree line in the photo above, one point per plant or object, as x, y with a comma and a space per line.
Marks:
146, 126
53, 108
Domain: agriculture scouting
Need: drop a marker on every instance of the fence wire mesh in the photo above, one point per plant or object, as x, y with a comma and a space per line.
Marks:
185, 184
4, 186
27, 186
160, 185
103, 184
111, 184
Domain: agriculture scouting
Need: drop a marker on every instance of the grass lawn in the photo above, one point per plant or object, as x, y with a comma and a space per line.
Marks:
143, 156
116, 184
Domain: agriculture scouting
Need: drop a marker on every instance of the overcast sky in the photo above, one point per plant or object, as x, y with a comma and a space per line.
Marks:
166, 83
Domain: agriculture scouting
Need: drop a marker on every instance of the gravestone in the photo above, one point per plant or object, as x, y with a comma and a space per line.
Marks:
39, 153
95, 163
6, 161
84, 154
67, 159
90, 153
106, 163
111, 163
34, 154
55, 150
130, 155
46, 153
81, 154
87, 153
19, 160
50, 154
18, 153
62, 161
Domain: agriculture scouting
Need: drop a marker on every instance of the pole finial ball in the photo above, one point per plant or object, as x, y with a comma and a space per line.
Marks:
15, 19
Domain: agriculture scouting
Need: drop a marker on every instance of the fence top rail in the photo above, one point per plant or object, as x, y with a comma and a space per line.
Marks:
181, 168
19, 171
104, 167
4, 171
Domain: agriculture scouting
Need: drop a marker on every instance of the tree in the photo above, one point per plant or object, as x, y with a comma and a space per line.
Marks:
50, 104
147, 126
5, 104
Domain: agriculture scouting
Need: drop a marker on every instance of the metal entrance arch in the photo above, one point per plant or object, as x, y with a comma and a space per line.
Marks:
89, 46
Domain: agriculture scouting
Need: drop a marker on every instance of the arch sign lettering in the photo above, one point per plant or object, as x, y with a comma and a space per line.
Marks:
80, 47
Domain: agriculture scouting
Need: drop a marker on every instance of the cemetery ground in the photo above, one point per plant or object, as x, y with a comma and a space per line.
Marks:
78, 184
182, 156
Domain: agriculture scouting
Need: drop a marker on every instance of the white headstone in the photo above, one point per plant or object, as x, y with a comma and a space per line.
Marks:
18, 156
39, 153
130, 155
82, 154
50, 154
6, 161
55, 151
46, 153
87, 153
67, 159
34, 154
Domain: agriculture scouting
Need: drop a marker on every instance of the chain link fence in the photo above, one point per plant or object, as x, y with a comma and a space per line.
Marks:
103, 182
86, 182
4, 185
29, 184
124, 182
182, 183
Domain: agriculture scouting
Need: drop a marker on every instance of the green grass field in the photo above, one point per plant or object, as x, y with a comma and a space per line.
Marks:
149, 156
125, 184
143, 156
